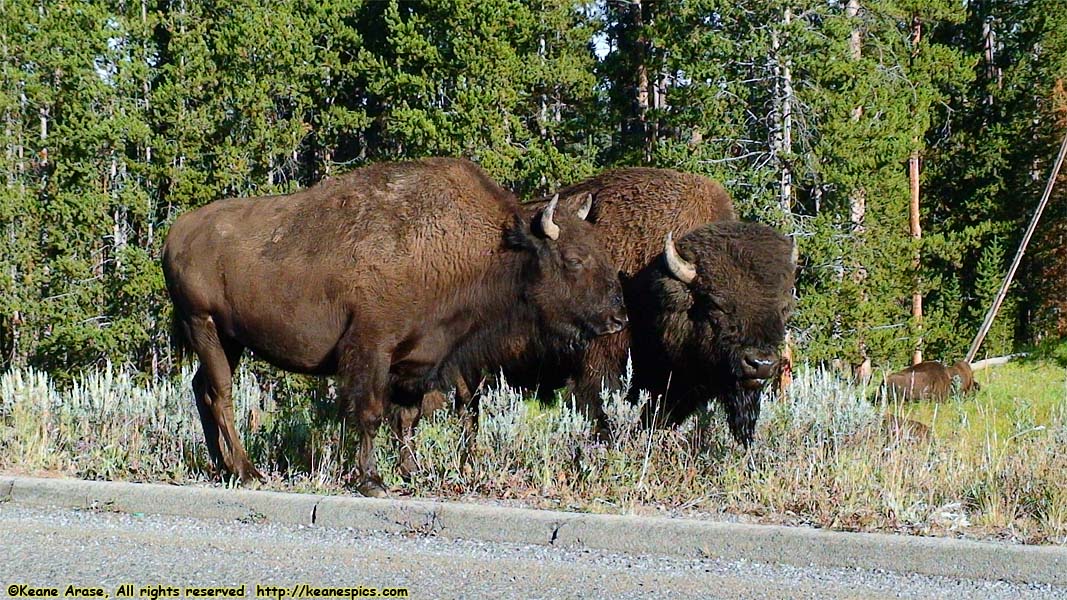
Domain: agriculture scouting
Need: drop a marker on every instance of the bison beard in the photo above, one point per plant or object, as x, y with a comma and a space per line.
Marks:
740, 398
742, 413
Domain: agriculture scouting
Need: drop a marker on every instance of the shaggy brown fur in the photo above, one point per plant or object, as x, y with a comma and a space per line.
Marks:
931, 380
747, 268
634, 210
718, 336
398, 277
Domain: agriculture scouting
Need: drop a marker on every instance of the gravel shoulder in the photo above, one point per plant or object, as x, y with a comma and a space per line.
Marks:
56, 546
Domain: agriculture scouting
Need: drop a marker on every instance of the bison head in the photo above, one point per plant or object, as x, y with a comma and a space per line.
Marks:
721, 299
963, 377
571, 280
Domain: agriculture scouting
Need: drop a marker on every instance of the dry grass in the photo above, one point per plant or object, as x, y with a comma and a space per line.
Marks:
994, 467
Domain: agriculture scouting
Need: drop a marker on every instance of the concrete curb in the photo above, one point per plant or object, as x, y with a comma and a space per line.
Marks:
615, 533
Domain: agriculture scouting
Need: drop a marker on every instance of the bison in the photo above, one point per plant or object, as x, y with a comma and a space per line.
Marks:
902, 429
398, 277
930, 380
707, 317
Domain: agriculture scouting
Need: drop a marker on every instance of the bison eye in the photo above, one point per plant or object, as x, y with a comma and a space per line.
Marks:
714, 305
574, 264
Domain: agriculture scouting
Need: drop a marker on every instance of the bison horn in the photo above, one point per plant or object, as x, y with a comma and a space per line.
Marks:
795, 256
583, 212
550, 228
684, 270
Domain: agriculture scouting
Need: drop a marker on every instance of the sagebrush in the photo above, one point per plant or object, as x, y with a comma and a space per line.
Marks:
822, 457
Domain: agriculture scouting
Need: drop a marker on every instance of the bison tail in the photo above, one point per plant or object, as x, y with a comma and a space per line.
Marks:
179, 343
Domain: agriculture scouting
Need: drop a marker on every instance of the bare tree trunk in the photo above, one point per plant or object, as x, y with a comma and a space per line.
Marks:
43, 154
782, 136
913, 218
858, 197
989, 43
642, 77
146, 88
781, 147
916, 234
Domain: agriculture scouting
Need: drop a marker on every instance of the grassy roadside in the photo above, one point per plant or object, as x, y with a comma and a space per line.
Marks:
994, 466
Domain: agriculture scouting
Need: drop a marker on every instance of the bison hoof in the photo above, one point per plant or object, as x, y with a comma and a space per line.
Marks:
250, 475
406, 469
372, 489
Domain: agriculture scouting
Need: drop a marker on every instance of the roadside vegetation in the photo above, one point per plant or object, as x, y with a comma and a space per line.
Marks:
993, 467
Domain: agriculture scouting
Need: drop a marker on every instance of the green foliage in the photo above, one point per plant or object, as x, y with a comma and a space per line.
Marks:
118, 116
505, 83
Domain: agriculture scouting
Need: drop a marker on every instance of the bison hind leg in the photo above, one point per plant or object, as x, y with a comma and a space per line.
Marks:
212, 434
212, 386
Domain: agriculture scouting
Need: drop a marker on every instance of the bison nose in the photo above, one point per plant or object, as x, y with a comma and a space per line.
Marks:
617, 322
758, 365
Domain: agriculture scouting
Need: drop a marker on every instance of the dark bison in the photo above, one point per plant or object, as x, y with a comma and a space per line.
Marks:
710, 317
398, 277
707, 316
930, 380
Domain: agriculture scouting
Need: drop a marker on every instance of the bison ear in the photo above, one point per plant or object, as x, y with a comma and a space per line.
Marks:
518, 236
583, 211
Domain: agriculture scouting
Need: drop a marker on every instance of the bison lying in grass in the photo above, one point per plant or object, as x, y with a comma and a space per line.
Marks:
397, 277
930, 380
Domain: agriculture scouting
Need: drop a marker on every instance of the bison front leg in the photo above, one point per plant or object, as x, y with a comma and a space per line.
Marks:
404, 420
363, 400
602, 367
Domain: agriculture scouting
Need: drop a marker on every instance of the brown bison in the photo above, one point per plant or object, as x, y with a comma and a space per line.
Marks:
899, 428
707, 316
398, 277
930, 380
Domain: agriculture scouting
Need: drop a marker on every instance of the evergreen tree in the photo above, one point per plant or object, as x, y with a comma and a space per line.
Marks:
504, 83
117, 115
986, 177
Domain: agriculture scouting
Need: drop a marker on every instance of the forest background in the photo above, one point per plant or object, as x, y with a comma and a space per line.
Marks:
903, 142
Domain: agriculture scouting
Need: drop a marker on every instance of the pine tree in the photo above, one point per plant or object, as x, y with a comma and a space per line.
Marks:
496, 82
986, 176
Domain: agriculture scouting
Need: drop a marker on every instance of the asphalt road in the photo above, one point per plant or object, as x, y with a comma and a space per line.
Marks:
59, 547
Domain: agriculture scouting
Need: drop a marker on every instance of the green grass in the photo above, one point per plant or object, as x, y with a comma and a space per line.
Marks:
995, 466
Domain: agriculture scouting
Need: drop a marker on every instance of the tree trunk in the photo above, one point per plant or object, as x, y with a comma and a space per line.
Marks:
782, 137
858, 196
782, 146
913, 218
641, 59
